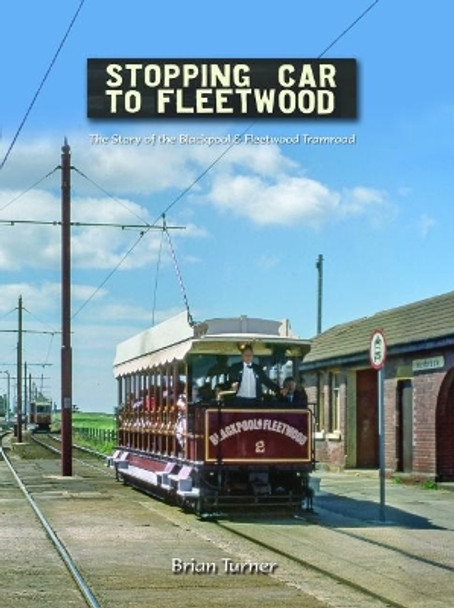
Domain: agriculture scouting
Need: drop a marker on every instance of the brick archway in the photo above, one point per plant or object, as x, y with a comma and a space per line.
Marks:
445, 429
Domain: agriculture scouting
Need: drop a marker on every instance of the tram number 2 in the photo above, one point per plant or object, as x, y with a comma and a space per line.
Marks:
260, 447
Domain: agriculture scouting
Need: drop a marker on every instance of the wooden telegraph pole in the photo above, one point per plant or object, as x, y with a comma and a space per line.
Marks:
19, 373
66, 354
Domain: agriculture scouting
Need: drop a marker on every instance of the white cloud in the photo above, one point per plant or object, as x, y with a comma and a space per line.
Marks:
285, 202
132, 169
362, 200
258, 183
404, 191
43, 296
39, 246
265, 160
268, 261
426, 223
289, 200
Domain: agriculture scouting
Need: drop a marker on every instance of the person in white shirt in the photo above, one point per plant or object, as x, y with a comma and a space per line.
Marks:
247, 379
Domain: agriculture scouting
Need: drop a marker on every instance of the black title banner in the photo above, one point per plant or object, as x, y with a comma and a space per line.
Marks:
221, 88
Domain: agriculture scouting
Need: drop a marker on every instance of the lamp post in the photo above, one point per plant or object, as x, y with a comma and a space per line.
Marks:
19, 373
8, 393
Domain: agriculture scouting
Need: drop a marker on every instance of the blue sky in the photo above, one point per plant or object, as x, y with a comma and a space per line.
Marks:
379, 210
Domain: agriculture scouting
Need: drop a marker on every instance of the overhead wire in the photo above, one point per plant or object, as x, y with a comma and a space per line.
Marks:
8, 313
49, 329
16, 198
351, 26
49, 348
148, 226
233, 144
41, 85
114, 198
229, 147
116, 267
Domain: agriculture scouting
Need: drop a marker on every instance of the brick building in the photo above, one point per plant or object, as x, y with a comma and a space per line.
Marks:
418, 391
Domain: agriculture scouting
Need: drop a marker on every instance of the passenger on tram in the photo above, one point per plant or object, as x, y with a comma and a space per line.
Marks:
180, 428
219, 371
130, 398
137, 404
149, 400
205, 392
291, 395
247, 379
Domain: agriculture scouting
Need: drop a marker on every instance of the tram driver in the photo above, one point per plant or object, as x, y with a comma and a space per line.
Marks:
247, 378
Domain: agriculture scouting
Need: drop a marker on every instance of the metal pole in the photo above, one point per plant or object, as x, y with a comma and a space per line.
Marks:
319, 266
25, 396
9, 395
381, 436
66, 354
19, 372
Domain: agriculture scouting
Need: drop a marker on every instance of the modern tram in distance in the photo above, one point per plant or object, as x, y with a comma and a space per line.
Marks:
185, 437
40, 415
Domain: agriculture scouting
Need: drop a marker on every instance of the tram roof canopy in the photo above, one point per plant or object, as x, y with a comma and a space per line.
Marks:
175, 338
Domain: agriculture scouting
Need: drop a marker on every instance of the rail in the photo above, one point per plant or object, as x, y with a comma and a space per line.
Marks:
78, 578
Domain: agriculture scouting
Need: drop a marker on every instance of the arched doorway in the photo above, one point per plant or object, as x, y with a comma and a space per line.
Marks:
445, 429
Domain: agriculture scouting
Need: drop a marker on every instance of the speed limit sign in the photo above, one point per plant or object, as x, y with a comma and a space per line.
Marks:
377, 350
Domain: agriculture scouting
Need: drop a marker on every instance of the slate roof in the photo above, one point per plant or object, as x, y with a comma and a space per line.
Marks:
412, 327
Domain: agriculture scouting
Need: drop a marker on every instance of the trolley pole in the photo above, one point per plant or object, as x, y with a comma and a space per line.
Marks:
19, 372
66, 354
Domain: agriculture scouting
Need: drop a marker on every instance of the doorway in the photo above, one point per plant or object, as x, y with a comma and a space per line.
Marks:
404, 426
367, 456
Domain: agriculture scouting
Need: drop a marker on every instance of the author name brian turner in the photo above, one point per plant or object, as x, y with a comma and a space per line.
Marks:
225, 566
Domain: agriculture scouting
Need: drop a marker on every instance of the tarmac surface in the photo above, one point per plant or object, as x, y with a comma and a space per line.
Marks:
407, 534
356, 495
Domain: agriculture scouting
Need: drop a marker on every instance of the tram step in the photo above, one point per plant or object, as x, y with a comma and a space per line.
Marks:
143, 475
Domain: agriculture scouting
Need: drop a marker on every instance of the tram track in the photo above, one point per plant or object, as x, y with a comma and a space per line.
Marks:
306, 563
354, 565
91, 458
123, 544
341, 567
50, 441
342, 564
357, 593
60, 548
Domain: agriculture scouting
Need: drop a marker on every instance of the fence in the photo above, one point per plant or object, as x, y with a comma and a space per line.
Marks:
95, 434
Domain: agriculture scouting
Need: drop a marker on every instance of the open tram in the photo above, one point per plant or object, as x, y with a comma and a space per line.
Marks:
182, 436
